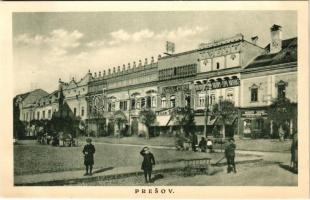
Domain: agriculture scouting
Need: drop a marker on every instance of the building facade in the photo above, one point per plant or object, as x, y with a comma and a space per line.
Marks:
232, 69
270, 77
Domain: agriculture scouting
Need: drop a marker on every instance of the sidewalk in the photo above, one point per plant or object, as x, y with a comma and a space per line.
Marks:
65, 177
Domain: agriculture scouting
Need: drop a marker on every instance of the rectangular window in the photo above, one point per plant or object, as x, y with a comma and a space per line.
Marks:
109, 107
143, 103
163, 102
121, 105
201, 101
125, 105
212, 99
133, 104
254, 92
281, 91
153, 101
38, 115
74, 111
172, 102
148, 102
49, 114
43, 114
82, 114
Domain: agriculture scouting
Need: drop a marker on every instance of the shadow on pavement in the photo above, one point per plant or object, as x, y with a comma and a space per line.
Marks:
287, 167
157, 177
214, 171
102, 170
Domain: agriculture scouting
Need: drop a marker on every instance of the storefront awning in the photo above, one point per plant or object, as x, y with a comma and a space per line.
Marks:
211, 120
162, 120
200, 120
228, 121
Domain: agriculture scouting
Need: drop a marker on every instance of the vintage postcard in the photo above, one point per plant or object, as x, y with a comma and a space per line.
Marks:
155, 99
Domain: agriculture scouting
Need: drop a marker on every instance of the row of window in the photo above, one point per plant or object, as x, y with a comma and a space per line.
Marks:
82, 111
178, 72
281, 92
144, 102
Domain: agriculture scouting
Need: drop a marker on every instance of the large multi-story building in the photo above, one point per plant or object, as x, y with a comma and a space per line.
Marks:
232, 69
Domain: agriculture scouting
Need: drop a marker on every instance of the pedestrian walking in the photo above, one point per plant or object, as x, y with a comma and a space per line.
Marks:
89, 151
230, 155
294, 153
194, 141
147, 163
203, 144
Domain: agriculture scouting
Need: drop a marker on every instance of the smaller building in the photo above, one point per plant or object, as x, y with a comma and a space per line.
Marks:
268, 78
25, 109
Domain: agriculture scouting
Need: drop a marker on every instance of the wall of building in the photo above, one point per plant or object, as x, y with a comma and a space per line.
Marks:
267, 89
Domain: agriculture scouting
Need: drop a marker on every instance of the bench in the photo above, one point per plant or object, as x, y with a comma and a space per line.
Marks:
196, 166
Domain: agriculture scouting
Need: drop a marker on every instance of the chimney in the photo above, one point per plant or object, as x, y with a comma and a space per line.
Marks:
109, 71
95, 76
128, 65
118, 68
145, 61
103, 72
99, 73
140, 63
254, 39
276, 39
124, 68
114, 70
152, 59
134, 64
159, 57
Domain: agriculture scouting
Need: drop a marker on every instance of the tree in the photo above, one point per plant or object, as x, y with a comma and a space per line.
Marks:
282, 112
225, 110
185, 117
147, 117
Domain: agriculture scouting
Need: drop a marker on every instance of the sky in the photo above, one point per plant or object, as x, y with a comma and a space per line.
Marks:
53, 45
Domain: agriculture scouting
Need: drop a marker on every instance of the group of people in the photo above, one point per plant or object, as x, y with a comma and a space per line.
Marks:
56, 139
204, 144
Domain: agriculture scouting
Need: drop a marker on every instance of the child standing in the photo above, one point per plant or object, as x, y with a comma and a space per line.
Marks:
89, 151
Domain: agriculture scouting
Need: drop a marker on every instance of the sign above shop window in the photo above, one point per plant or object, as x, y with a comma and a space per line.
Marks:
254, 113
218, 84
175, 88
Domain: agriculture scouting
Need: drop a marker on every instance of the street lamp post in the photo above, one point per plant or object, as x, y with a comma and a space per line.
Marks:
206, 108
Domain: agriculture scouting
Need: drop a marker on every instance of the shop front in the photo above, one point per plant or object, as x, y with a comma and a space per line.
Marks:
254, 123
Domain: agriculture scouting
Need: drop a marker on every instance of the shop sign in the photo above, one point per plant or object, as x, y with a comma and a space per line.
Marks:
254, 113
219, 84
175, 88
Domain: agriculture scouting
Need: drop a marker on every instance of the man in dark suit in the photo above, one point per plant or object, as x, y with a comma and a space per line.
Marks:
230, 155
89, 151
147, 163
194, 141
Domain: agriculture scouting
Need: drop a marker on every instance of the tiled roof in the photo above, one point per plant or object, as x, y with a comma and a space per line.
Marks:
286, 55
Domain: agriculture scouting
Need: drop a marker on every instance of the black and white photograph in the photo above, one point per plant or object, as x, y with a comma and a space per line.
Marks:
195, 98
142, 101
